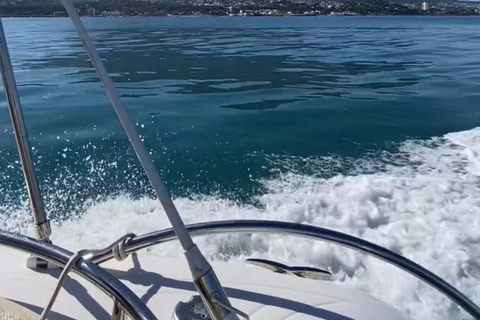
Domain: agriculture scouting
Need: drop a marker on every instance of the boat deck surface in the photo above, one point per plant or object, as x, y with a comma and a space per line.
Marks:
162, 283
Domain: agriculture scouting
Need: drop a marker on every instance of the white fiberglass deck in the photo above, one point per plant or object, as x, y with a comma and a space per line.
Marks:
161, 283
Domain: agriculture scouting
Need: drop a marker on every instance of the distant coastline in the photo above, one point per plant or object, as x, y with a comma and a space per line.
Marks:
235, 8
249, 16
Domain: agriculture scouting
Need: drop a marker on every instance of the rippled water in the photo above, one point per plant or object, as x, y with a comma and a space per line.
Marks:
362, 124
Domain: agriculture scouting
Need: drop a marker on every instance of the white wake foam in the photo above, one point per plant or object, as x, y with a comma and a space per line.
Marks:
427, 208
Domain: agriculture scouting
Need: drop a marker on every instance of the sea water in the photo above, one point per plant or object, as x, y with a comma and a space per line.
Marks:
365, 125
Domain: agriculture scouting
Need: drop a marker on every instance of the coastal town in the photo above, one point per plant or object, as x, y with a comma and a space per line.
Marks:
102, 8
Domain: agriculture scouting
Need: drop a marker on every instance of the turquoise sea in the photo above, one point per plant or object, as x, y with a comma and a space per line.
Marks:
367, 125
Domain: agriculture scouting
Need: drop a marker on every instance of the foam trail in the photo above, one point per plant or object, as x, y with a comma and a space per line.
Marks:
426, 207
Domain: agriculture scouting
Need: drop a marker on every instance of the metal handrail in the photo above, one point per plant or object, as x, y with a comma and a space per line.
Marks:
110, 285
42, 224
306, 231
203, 275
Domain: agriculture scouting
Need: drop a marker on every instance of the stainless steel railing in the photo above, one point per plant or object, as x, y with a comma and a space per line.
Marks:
138, 310
311, 232
121, 295
42, 224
